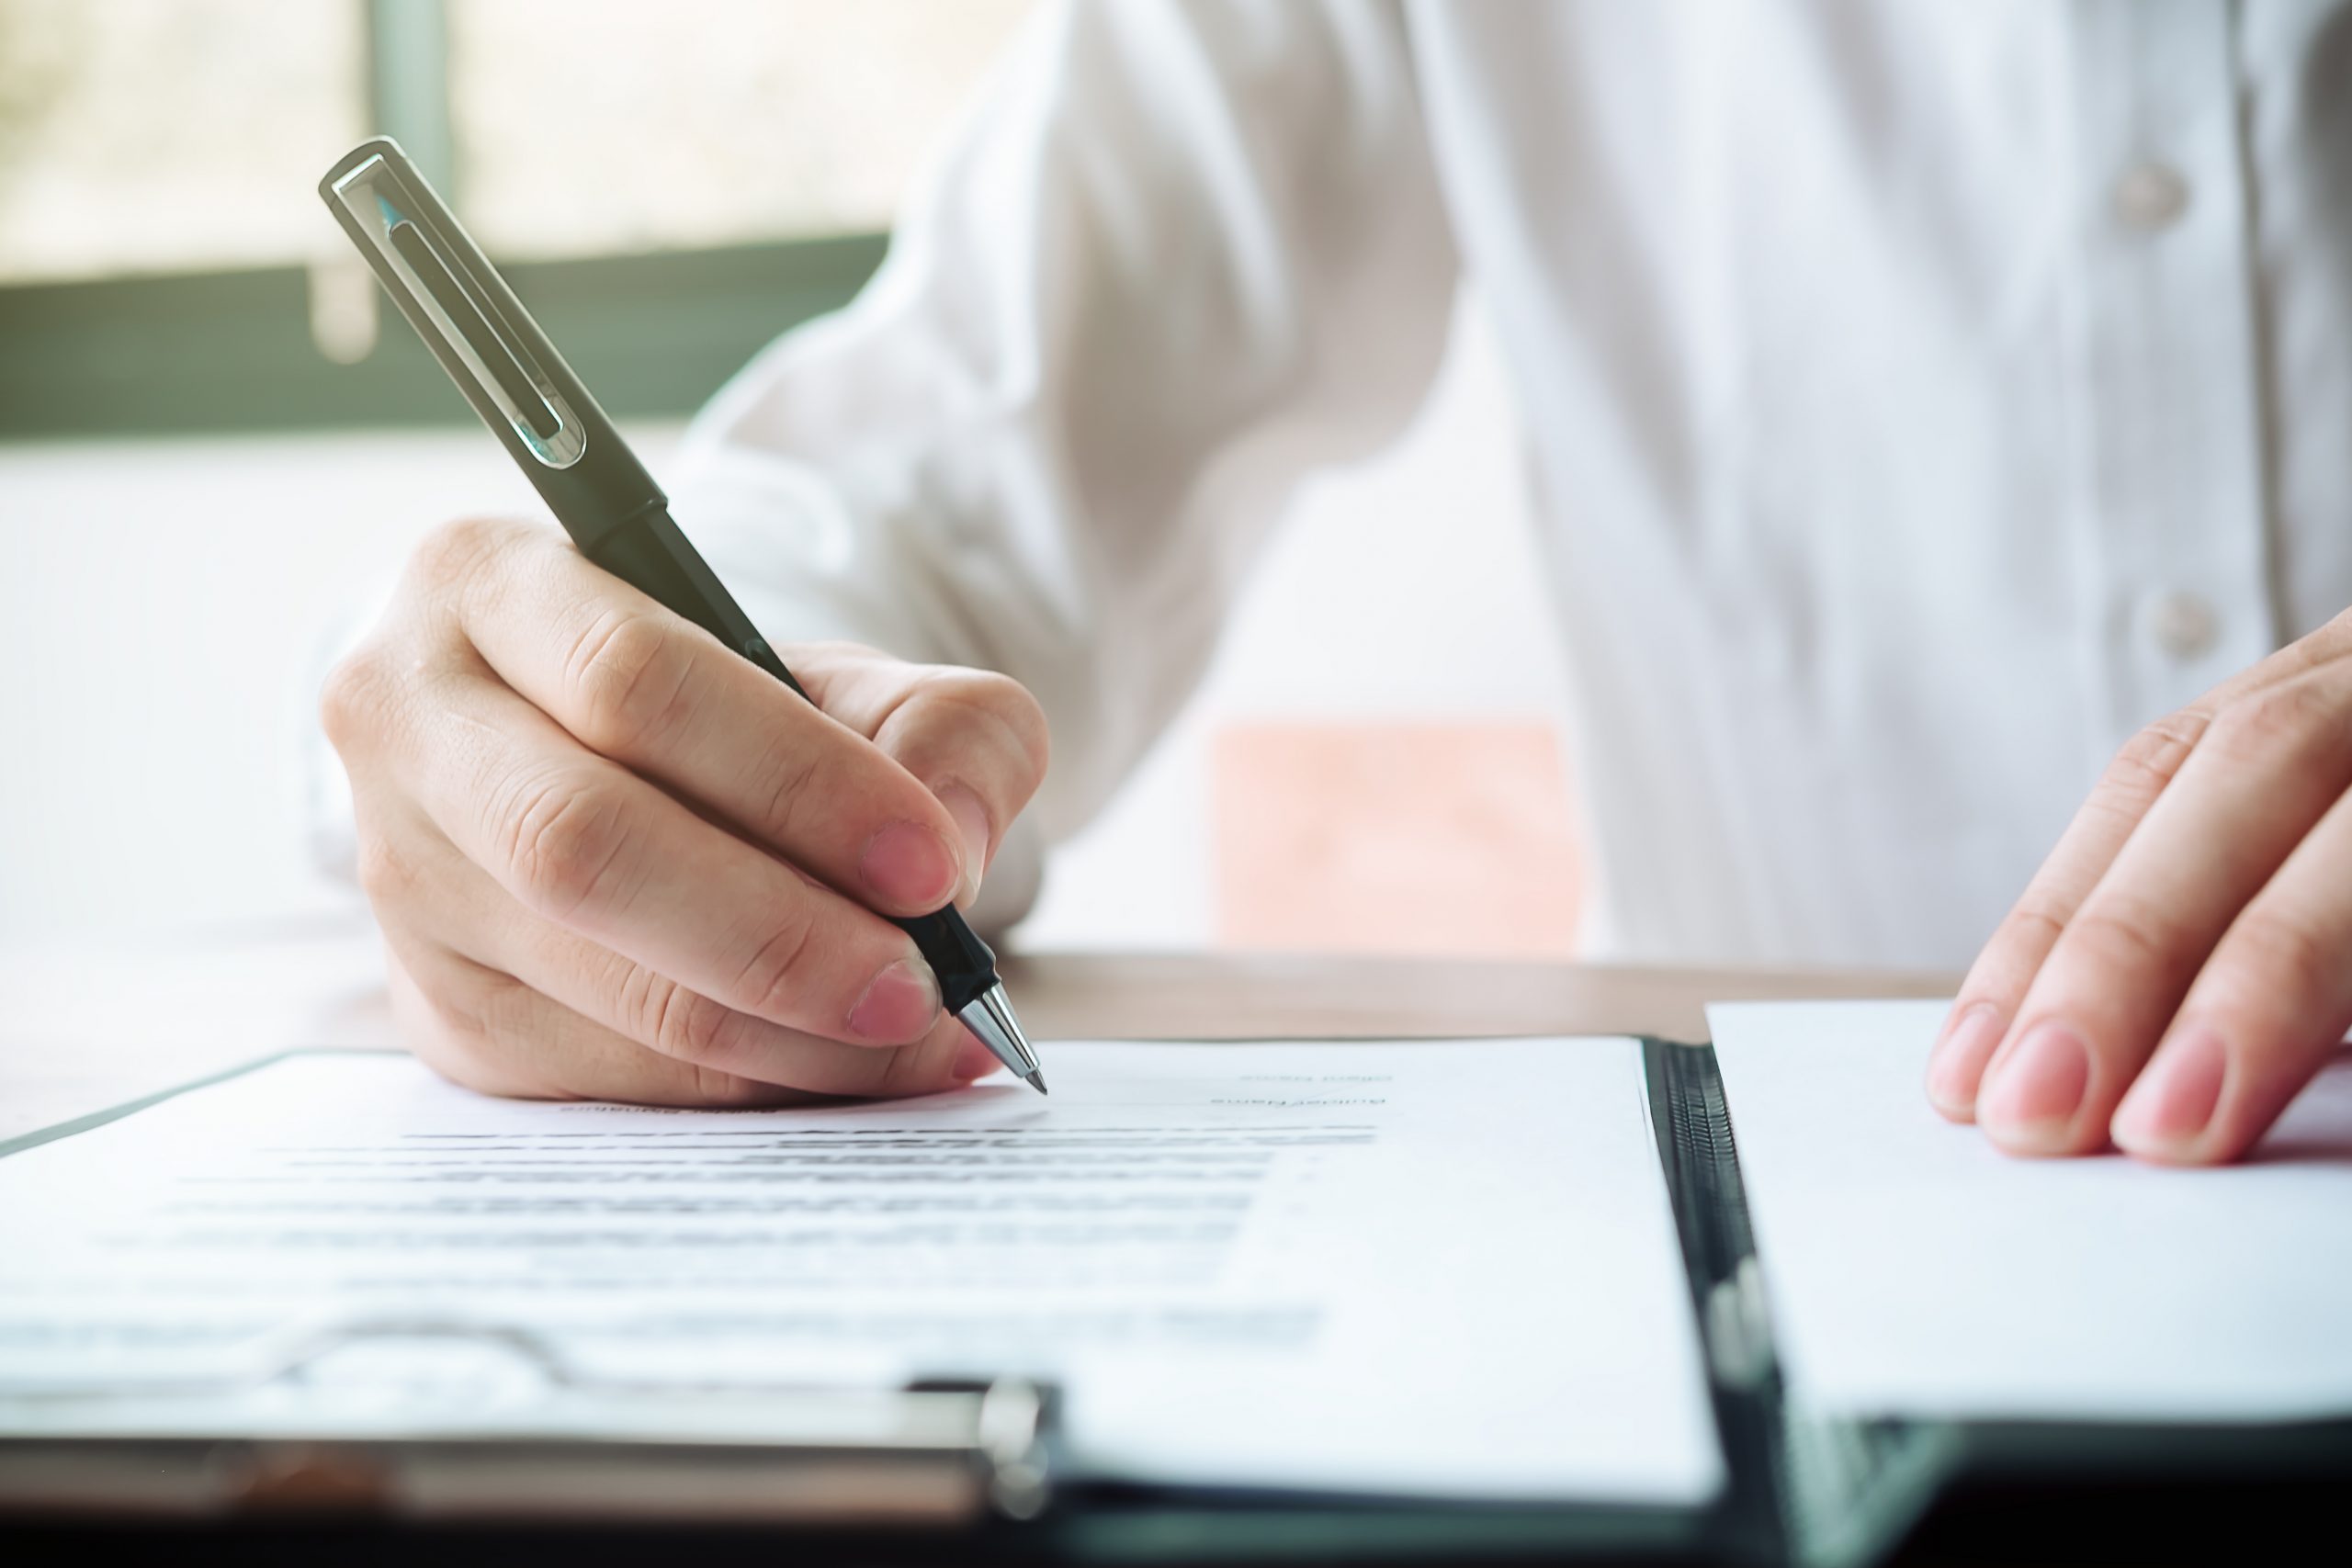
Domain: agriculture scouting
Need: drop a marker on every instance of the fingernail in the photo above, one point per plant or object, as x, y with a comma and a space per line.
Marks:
2169, 1107
1957, 1065
2029, 1106
972, 821
907, 863
899, 1004
975, 1060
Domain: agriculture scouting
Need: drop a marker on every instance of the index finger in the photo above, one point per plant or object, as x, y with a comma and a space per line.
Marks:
2140, 771
2004, 969
651, 690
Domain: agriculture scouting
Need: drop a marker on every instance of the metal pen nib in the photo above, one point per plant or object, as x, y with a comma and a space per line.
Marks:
991, 1018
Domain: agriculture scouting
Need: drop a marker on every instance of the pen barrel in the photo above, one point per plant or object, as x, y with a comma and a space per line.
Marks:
648, 551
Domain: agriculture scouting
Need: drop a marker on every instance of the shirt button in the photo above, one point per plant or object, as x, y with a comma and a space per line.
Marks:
2184, 625
2151, 196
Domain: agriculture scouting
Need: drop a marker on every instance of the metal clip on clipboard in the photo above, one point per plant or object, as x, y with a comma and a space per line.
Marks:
447, 1419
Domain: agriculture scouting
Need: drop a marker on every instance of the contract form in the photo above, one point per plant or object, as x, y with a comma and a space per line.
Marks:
1914, 1268
1438, 1268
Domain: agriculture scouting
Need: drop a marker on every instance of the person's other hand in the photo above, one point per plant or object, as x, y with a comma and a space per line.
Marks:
2182, 964
613, 859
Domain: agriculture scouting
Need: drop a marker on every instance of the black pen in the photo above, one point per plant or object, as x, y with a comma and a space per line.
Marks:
592, 482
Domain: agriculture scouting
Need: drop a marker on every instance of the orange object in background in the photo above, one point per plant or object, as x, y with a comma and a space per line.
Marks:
1411, 838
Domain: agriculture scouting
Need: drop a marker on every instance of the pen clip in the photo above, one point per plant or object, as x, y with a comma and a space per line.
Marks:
446, 288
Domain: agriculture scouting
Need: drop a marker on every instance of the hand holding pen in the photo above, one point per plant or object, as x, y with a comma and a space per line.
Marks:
618, 850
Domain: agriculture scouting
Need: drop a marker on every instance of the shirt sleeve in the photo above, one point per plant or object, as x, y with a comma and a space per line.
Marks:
1179, 256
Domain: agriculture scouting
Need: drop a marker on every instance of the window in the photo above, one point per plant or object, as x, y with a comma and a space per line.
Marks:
669, 186
146, 136
581, 131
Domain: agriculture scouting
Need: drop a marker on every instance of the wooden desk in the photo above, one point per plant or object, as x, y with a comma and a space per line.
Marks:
86, 1029
1263, 996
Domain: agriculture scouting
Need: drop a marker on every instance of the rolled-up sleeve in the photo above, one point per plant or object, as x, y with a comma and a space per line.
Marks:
1179, 255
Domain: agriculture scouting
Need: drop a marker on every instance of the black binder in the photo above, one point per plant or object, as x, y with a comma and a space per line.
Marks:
1815, 1491
964, 1471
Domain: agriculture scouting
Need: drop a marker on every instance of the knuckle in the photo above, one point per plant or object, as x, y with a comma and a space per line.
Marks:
823, 651
639, 999
453, 552
460, 1011
689, 1025
629, 676
2118, 932
771, 980
1026, 719
2031, 927
354, 699
2280, 716
2145, 764
725, 1091
561, 840
2281, 956
989, 690
500, 1006
994, 704
919, 1068
454, 1019
901, 1071
386, 875
792, 765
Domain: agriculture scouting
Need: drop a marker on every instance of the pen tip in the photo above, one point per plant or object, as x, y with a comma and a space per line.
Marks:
1037, 1082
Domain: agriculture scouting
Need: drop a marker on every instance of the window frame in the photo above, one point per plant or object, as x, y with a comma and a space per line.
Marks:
235, 351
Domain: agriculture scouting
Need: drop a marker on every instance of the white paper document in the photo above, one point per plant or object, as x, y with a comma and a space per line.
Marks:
1446, 1268
1914, 1269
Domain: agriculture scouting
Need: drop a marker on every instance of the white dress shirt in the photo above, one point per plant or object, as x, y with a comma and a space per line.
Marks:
1920, 398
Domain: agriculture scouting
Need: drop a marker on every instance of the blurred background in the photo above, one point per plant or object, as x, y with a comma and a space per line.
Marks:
215, 450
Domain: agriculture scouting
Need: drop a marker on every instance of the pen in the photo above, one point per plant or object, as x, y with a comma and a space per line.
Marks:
592, 482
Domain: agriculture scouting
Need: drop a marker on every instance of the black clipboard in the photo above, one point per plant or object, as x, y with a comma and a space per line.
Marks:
1815, 1491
